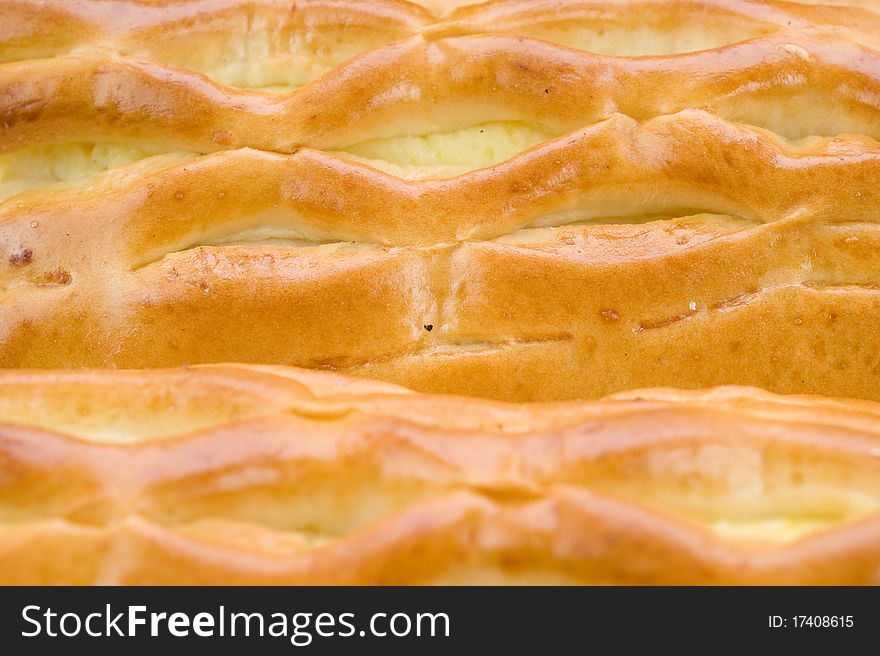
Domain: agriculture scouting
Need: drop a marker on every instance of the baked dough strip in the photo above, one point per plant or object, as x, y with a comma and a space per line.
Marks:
245, 41
471, 286
311, 478
148, 273
819, 85
616, 171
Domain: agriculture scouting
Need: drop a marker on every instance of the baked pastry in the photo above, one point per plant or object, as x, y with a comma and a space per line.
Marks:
526, 200
273, 475
476, 203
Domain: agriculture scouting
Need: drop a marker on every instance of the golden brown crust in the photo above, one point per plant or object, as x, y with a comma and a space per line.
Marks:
526, 200
655, 212
188, 33
233, 474
631, 304
819, 85
193, 33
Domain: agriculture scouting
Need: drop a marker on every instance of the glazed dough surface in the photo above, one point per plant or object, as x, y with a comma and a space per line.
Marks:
254, 475
523, 200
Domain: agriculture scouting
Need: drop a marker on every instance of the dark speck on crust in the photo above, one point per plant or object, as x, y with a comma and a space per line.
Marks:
22, 258
55, 277
429, 327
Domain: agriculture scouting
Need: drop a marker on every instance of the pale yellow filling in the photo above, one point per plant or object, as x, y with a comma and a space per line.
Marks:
635, 40
265, 54
448, 154
445, 7
777, 514
101, 422
46, 166
411, 157
771, 530
279, 74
